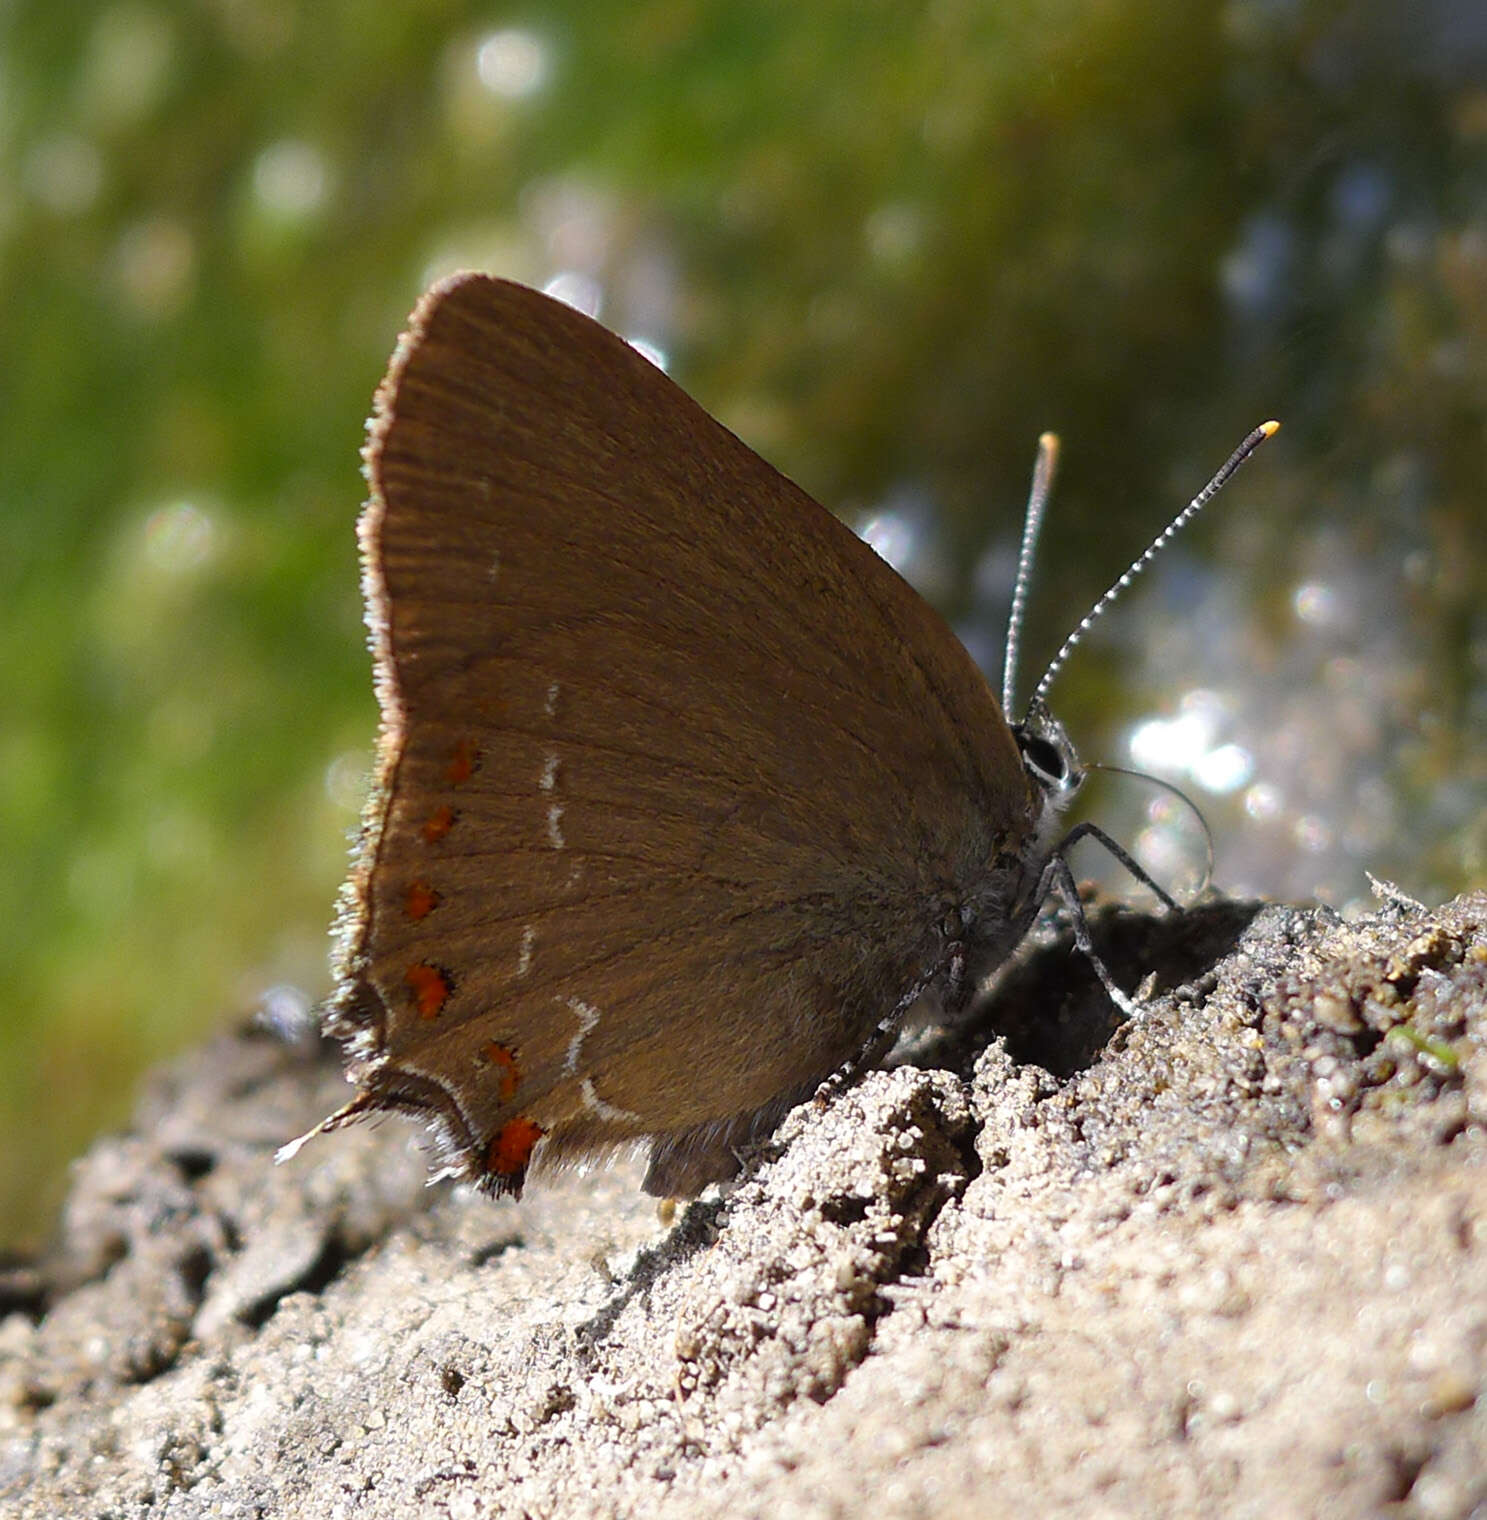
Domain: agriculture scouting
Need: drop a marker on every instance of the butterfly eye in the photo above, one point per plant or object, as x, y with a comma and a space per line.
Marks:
1047, 755
1045, 760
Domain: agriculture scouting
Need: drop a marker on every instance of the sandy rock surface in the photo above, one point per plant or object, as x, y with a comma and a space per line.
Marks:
1231, 1259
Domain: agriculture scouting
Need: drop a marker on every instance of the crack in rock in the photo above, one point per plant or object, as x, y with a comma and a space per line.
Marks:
793, 1325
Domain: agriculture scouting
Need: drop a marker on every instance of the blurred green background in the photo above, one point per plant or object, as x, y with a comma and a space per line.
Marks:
887, 243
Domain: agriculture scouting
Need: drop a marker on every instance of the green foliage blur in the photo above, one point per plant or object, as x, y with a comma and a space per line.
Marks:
887, 243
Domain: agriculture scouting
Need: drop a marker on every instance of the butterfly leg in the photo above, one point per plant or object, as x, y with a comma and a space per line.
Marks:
1094, 831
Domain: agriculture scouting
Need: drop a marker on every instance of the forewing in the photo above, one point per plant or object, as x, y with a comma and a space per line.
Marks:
674, 770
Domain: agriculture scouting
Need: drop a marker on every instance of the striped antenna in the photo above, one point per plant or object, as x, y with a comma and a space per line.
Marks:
1160, 542
1037, 500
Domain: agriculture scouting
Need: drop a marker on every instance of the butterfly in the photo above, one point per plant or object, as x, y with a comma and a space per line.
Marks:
682, 795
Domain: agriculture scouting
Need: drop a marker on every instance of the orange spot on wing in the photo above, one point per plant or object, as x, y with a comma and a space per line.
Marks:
438, 824
509, 1073
420, 901
430, 987
462, 762
510, 1151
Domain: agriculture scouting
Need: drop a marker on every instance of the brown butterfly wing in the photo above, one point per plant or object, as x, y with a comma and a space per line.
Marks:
676, 777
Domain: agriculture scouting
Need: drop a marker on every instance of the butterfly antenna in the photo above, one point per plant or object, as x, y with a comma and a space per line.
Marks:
1037, 500
1160, 542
